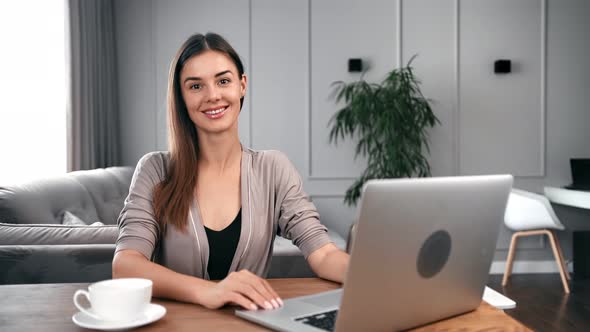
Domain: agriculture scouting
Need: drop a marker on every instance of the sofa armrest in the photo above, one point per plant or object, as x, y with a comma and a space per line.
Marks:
55, 263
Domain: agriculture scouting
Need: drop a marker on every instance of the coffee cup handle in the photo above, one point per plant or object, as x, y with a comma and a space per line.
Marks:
79, 306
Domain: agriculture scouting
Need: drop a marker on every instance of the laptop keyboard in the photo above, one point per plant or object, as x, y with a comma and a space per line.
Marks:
324, 320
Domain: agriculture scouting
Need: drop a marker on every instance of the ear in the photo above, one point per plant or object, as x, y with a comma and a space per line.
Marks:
243, 85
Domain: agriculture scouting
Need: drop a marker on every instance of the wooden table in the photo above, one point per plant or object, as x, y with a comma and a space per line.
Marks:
49, 307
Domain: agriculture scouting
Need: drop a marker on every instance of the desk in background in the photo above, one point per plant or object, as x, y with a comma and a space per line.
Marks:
573, 209
49, 307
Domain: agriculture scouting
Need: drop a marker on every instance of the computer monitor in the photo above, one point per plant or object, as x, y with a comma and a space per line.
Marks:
580, 168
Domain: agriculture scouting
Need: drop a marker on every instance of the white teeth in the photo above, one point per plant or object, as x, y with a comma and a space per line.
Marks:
215, 112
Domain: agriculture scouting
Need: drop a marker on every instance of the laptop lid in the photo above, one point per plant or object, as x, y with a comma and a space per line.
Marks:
423, 250
580, 172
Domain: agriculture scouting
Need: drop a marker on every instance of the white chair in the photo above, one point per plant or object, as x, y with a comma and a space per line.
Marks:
531, 214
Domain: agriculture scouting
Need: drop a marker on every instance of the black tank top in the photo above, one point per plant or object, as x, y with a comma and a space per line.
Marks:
222, 247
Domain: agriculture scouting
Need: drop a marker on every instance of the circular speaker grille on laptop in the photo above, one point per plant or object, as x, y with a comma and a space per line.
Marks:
434, 254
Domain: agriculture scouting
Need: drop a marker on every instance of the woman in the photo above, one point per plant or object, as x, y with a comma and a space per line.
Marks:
209, 209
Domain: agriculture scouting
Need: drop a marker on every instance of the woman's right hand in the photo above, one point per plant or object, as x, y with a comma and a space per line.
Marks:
243, 288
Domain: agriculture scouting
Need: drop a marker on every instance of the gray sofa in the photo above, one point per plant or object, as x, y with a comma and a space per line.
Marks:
63, 229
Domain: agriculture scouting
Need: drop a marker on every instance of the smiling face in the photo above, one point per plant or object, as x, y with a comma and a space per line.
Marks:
211, 88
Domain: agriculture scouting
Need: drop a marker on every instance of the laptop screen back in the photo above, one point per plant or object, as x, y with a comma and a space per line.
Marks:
423, 250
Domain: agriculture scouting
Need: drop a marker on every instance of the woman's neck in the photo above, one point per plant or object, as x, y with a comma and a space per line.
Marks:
219, 153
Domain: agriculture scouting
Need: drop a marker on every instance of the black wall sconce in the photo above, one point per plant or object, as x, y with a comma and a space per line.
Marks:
355, 65
502, 66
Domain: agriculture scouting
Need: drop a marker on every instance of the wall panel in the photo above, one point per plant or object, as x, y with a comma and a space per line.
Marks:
279, 77
429, 31
341, 30
501, 117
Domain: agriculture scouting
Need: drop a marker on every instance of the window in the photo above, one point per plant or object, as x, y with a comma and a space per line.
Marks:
32, 89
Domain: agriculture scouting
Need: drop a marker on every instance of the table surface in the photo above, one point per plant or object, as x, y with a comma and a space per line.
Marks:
49, 307
575, 198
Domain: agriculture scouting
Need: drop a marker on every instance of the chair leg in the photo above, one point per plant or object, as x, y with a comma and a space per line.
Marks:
510, 258
552, 240
567, 273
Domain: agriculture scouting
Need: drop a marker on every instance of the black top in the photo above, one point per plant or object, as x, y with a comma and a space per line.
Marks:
222, 247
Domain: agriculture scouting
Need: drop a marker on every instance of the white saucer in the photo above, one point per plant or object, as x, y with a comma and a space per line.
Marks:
152, 313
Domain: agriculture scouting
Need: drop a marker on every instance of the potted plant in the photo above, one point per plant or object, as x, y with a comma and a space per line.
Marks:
390, 121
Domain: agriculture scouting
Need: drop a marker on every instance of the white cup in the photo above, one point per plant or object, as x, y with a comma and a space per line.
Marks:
116, 299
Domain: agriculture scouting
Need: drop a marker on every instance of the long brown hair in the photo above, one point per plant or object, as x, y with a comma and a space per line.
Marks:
173, 196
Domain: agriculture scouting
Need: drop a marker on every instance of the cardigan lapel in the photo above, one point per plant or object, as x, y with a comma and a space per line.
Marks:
201, 245
246, 229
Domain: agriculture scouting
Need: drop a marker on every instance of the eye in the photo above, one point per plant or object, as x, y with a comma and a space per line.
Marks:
195, 87
224, 81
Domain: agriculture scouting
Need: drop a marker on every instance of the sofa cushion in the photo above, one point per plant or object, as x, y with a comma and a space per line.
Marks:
108, 189
19, 234
71, 219
44, 201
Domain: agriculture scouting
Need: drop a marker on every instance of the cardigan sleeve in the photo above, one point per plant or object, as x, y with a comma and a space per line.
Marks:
298, 217
138, 228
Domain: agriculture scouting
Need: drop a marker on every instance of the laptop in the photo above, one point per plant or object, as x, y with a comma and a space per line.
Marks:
422, 253
580, 174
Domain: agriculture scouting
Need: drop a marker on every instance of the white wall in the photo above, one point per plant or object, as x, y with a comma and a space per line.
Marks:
528, 123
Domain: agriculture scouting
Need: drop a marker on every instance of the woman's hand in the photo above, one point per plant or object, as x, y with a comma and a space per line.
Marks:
244, 289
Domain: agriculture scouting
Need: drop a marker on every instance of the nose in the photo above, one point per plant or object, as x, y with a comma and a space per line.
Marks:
214, 93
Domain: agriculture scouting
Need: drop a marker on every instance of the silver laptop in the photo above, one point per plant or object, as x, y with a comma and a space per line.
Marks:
422, 252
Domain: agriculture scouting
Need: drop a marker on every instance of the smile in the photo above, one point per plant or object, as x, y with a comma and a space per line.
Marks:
215, 113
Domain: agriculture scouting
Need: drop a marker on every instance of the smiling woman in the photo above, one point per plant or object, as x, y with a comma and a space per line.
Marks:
209, 208
32, 86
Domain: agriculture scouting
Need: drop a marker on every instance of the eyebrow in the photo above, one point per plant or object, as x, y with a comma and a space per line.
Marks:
194, 78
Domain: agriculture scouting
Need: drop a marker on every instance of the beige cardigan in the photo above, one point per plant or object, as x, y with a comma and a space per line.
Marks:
273, 202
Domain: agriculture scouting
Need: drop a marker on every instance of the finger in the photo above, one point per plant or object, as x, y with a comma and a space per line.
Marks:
262, 284
271, 291
238, 282
264, 288
257, 283
242, 301
254, 294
